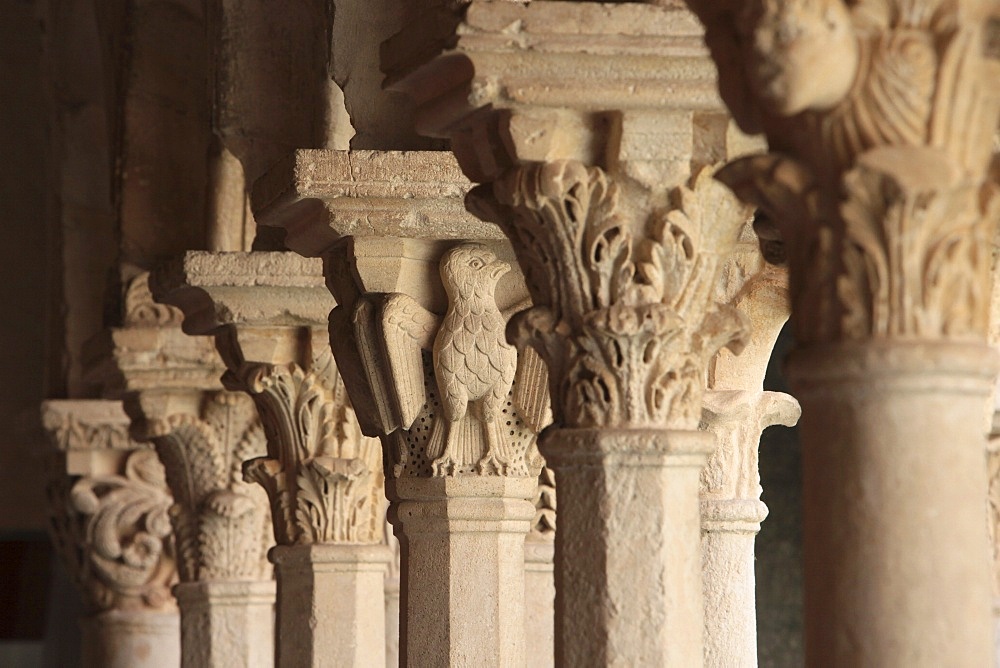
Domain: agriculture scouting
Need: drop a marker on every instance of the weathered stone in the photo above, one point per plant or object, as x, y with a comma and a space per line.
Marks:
109, 504
322, 475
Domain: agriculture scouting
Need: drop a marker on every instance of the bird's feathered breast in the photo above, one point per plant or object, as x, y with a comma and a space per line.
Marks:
471, 348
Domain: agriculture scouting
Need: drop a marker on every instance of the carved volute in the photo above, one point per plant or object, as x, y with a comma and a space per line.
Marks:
109, 508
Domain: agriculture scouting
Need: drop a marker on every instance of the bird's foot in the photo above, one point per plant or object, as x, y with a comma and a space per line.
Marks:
444, 466
492, 465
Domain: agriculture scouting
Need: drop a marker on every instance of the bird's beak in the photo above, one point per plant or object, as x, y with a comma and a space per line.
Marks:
499, 268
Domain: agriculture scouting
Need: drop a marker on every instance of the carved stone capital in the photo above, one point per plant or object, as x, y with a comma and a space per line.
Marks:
203, 438
323, 476
443, 387
267, 311
109, 503
623, 282
877, 176
735, 407
419, 330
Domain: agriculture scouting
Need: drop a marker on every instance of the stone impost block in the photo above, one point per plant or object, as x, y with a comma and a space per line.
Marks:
319, 196
510, 83
255, 290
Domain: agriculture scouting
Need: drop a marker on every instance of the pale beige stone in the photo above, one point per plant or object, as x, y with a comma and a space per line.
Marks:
419, 335
888, 213
464, 568
109, 503
737, 410
126, 639
539, 575
322, 475
884, 570
170, 383
227, 623
587, 125
633, 596
331, 604
321, 196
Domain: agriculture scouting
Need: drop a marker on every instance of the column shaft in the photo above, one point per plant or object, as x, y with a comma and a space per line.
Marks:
465, 569
226, 623
325, 615
896, 568
629, 500
730, 602
539, 601
131, 639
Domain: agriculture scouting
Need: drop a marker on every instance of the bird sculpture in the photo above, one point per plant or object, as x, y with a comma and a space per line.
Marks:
473, 364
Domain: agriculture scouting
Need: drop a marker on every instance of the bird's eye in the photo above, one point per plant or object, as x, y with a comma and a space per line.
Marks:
476, 264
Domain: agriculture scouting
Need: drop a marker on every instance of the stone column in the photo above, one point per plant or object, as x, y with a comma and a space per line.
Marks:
592, 128
418, 334
226, 593
323, 477
737, 410
539, 574
109, 505
202, 434
392, 589
889, 221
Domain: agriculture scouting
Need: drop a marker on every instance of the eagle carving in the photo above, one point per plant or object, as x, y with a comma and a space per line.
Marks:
474, 366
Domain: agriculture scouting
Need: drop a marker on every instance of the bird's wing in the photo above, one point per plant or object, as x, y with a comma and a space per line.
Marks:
531, 390
407, 330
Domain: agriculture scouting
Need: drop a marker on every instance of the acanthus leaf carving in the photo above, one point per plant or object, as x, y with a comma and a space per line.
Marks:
312, 432
220, 522
878, 171
624, 315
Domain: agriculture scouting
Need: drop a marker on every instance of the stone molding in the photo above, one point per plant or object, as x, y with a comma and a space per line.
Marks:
319, 196
266, 310
109, 503
884, 207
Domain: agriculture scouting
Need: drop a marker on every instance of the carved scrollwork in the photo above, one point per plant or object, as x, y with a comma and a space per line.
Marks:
323, 476
142, 311
115, 534
220, 522
623, 313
